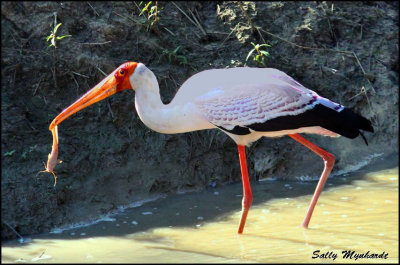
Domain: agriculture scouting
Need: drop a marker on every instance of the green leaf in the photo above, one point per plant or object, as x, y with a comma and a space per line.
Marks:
176, 50
9, 153
265, 53
265, 45
56, 28
145, 8
250, 53
62, 37
32, 148
183, 59
49, 37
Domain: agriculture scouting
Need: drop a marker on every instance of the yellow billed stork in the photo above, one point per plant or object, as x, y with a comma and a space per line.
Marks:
245, 103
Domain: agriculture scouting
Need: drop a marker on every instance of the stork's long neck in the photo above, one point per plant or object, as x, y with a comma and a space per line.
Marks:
172, 118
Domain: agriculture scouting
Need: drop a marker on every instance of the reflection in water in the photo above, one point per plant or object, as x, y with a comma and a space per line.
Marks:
357, 213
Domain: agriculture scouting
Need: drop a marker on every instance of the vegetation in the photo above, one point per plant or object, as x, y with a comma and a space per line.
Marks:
52, 37
10, 153
174, 57
26, 152
261, 54
151, 13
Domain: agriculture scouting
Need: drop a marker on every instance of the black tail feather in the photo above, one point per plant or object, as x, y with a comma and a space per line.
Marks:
346, 122
360, 121
349, 124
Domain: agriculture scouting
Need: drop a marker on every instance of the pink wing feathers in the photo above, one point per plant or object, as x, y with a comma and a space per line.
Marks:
251, 104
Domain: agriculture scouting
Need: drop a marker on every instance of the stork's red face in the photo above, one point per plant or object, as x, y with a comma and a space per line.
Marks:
115, 82
122, 74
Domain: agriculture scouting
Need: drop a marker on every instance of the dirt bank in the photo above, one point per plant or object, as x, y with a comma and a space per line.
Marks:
110, 158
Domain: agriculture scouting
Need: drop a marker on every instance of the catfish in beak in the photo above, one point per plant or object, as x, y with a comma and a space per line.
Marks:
115, 82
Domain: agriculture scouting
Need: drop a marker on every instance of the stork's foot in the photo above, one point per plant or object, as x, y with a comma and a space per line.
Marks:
304, 225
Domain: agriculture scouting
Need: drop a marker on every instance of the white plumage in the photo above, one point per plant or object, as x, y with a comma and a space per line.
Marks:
227, 98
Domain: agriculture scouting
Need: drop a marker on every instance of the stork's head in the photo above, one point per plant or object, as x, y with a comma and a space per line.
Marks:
120, 79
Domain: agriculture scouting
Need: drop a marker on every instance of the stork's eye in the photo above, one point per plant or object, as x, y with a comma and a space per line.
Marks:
120, 74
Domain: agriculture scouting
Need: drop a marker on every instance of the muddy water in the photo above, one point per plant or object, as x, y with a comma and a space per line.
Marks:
357, 212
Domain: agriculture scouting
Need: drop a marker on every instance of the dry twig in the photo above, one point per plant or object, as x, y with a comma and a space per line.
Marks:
38, 84
253, 27
93, 9
227, 37
95, 43
129, 18
80, 74
191, 20
109, 108
247, 16
101, 71
169, 31
198, 23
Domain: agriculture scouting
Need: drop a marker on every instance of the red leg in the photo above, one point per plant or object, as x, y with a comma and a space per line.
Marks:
329, 161
247, 196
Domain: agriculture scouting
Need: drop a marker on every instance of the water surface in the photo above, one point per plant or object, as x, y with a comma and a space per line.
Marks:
358, 212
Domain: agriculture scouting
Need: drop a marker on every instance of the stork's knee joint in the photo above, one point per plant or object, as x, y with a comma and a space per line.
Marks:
329, 159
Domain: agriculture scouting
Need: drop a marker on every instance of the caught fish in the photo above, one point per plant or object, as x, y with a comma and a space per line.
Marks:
110, 85
52, 157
